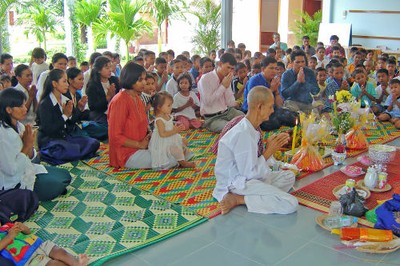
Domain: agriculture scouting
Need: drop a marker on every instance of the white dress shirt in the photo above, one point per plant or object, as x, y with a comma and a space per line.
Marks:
180, 100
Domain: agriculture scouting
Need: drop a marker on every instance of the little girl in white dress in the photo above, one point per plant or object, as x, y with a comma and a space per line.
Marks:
167, 147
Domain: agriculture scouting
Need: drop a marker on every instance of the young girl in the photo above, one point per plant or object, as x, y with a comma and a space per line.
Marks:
101, 89
56, 143
166, 146
148, 92
79, 113
24, 77
186, 103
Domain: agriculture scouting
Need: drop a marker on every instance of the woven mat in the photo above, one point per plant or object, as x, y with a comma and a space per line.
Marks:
188, 187
318, 195
105, 218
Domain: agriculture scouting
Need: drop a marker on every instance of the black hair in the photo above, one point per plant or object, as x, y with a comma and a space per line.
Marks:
10, 97
185, 76
228, 58
230, 50
204, 60
171, 52
267, 60
38, 52
319, 48
353, 49
182, 58
239, 66
281, 64
358, 71
394, 81
130, 74
319, 69
162, 54
241, 45
71, 58
84, 63
334, 37
391, 61
256, 66
147, 53
195, 57
173, 62
296, 53
98, 65
271, 51
4, 57
108, 54
382, 58
382, 70
5, 77
19, 69
335, 48
150, 75
115, 55
336, 65
93, 57
312, 58
138, 58
305, 37
56, 57
160, 60
54, 75
73, 72
159, 100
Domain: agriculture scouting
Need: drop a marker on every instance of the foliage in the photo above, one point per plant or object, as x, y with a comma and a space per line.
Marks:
164, 9
342, 122
207, 31
39, 19
123, 20
78, 46
4, 6
307, 26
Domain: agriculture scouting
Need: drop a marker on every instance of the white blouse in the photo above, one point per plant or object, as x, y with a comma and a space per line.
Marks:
15, 166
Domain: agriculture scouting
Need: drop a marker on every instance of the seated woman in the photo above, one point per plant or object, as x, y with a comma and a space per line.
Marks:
101, 89
16, 152
80, 115
55, 139
127, 121
24, 77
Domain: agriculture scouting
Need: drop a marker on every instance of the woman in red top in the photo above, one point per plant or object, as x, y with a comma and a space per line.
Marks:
127, 121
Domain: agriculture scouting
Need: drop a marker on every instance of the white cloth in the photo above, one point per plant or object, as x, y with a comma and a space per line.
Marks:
238, 169
160, 147
55, 102
378, 90
15, 166
86, 77
180, 100
37, 70
214, 97
324, 61
31, 114
40, 84
172, 86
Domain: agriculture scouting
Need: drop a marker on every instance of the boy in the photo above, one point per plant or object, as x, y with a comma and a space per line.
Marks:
312, 63
84, 66
353, 50
336, 83
362, 90
39, 64
392, 104
320, 55
382, 91
5, 81
244, 177
318, 99
195, 68
212, 55
6, 65
18, 245
149, 58
335, 52
71, 62
139, 60
391, 68
206, 65
177, 69
161, 72
239, 82
356, 60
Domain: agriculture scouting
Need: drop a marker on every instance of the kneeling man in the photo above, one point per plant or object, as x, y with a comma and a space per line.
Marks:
242, 176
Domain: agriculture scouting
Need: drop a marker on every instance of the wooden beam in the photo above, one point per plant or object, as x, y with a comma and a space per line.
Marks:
376, 37
375, 11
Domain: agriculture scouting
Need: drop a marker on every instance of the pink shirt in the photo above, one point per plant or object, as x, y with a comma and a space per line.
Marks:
214, 97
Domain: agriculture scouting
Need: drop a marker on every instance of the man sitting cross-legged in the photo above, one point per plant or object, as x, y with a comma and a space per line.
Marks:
242, 176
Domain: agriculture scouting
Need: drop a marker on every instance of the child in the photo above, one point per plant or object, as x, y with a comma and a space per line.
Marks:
312, 63
84, 66
391, 68
167, 147
39, 64
5, 81
382, 91
356, 60
71, 62
194, 71
206, 65
186, 103
335, 52
149, 58
148, 92
177, 69
24, 77
392, 104
6, 65
255, 69
55, 141
20, 247
321, 80
239, 82
335, 83
363, 90
162, 74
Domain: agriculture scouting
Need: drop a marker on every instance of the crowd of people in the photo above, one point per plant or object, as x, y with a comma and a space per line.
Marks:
141, 108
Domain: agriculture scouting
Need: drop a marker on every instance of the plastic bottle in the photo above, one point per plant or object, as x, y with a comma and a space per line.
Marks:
343, 221
364, 234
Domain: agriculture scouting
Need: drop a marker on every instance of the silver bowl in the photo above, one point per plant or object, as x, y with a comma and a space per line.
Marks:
381, 154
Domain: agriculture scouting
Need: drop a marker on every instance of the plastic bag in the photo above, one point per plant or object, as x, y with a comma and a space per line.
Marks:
308, 158
353, 204
355, 139
388, 215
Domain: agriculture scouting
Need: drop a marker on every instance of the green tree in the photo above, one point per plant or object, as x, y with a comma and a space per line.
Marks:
4, 6
307, 26
207, 31
161, 10
39, 19
87, 13
123, 20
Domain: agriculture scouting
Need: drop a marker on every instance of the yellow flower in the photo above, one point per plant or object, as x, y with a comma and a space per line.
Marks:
343, 96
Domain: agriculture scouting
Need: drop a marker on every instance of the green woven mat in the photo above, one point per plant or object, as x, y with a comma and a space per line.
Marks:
105, 218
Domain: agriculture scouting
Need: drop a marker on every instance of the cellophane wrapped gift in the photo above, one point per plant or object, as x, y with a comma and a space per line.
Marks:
308, 158
355, 138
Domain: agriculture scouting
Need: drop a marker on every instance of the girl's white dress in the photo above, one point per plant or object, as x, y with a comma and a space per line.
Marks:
161, 157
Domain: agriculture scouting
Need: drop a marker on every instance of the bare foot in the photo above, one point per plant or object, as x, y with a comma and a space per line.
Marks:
186, 164
83, 260
230, 201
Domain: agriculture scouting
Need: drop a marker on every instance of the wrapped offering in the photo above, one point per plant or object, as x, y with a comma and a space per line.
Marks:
308, 157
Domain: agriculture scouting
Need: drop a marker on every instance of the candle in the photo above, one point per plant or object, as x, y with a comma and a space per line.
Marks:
294, 137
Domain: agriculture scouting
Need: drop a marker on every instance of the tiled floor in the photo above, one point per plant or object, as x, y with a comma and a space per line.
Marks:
242, 238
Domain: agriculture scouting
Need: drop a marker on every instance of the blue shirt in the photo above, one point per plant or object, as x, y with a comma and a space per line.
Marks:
256, 80
356, 91
332, 86
293, 90
396, 110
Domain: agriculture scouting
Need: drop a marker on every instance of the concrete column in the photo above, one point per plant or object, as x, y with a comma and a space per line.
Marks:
226, 24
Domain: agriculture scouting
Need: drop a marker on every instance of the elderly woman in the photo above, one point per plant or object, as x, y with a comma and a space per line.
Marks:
127, 121
16, 152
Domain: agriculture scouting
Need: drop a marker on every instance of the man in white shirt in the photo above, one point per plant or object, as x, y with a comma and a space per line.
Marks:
243, 177
217, 101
